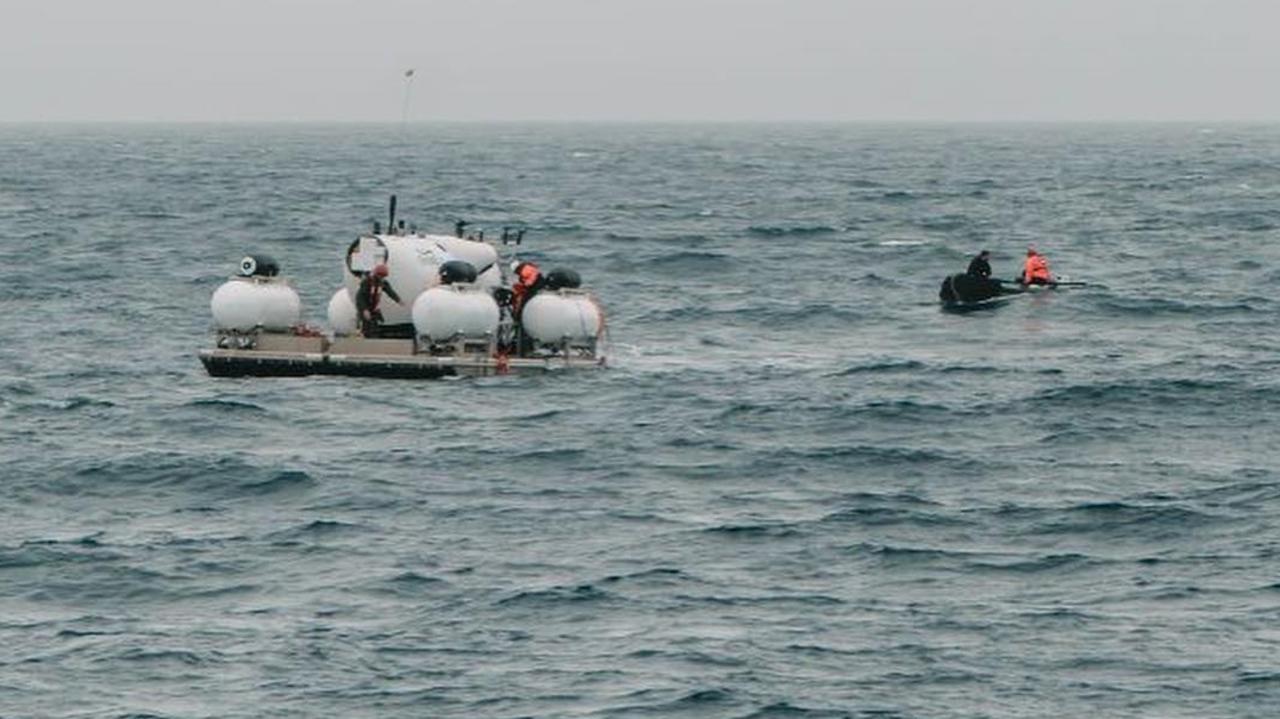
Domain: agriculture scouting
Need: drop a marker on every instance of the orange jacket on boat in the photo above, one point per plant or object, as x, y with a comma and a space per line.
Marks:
1036, 271
528, 279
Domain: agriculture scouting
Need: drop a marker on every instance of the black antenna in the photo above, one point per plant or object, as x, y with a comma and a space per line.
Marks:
391, 219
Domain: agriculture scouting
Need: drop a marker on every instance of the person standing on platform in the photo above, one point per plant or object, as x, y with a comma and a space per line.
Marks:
369, 297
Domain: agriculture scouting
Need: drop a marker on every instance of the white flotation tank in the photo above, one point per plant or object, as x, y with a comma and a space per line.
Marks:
243, 304
413, 263
447, 311
558, 316
342, 313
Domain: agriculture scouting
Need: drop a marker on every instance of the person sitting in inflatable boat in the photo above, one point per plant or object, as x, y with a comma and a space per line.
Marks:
1036, 269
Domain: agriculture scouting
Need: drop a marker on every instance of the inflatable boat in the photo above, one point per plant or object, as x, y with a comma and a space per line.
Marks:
966, 292
455, 315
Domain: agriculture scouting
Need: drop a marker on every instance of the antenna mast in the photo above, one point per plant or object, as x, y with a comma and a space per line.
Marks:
404, 107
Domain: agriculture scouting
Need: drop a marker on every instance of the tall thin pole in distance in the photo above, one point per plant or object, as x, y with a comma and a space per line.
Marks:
404, 108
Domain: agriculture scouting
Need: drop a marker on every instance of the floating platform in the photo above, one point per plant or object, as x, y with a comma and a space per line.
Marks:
282, 355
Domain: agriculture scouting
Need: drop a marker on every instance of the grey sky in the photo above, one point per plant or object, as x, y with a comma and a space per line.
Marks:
317, 60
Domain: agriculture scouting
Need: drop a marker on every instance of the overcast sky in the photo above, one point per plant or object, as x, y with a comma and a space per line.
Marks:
325, 60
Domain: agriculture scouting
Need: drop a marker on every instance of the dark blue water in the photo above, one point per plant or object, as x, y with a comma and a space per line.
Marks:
801, 489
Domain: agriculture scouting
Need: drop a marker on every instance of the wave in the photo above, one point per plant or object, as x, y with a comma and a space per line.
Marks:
155, 215
550, 454
180, 656
286, 481
223, 477
892, 516
687, 240
946, 223
787, 710
661, 576
862, 184
688, 261
550, 228
688, 656
583, 593
316, 529
78, 402
755, 531
791, 231
1256, 678
905, 243
229, 405
898, 555
807, 315
411, 584
880, 366
896, 498
698, 700
1156, 306
1262, 488
1108, 519
1058, 616
70, 404
880, 455
157, 468
1240, 221
806, 600
45, 555
1034, 565
872, 279
897, 196
1203, 393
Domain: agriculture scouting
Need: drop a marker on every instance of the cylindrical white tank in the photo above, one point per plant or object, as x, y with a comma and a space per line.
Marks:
342, 313
413, 263
247, 303
448, 310
556, 317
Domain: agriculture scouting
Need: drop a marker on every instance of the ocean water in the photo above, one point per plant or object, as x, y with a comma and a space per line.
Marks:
799, 490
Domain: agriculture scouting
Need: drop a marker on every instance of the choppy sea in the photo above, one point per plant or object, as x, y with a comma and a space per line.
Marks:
799, 490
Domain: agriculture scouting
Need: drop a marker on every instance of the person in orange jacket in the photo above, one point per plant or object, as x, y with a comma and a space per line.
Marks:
529, 280
1036, 269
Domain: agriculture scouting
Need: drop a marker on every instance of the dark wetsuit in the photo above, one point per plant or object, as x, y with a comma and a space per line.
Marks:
979, 267
974, 285
368, 296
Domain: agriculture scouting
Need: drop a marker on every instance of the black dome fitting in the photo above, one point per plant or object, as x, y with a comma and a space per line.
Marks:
457, 271
259, 266
563, 279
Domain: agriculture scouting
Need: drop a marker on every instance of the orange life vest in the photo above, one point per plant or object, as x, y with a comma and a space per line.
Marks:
526, 277
1036, 270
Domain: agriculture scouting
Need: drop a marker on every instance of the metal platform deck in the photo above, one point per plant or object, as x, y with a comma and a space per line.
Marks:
283, 356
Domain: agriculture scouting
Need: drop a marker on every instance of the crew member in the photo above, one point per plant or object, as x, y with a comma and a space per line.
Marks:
1036, 269
529, 280
980, 266
368, 296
